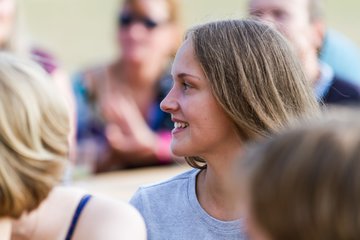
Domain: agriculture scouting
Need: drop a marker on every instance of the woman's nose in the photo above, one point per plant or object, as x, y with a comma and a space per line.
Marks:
169, 104
136, 31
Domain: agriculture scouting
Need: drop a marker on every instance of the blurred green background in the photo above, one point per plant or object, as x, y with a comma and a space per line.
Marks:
81, 32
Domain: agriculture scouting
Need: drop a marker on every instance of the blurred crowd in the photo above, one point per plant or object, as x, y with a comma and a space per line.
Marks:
116, 118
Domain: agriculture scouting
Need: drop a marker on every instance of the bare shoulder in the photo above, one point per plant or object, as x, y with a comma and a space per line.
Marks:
51, 218
104, 218
101, 218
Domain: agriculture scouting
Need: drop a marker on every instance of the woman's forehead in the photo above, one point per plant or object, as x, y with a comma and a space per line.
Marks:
155, 9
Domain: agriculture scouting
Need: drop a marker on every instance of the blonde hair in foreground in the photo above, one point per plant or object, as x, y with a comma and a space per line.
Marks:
305, 183
34, 127
254, 75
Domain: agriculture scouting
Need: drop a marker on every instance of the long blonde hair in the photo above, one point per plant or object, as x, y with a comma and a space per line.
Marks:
34, 128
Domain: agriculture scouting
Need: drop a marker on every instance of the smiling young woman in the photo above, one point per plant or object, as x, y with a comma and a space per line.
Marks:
234, 81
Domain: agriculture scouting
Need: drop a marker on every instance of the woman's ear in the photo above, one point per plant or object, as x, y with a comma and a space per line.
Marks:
318, 33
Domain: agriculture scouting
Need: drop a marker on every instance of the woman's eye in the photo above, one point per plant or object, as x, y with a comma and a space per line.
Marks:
186, 86
257, 14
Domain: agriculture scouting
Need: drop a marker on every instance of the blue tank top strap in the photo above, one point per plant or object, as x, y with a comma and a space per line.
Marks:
84, 200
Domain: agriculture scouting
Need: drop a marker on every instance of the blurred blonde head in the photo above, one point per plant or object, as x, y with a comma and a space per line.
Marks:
304, 184
34, 127
254, 76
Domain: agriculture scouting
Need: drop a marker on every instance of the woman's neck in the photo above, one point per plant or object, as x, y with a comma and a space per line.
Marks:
5, 229
216, 189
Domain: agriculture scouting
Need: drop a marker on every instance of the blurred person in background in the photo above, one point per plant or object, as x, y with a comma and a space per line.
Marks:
34, 147
234, 81
120, 124
302, 24
342, 55
13, 40
304, 183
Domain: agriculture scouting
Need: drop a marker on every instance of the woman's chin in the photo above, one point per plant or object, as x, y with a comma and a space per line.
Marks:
133, 59
176, 151
135, 56
180, 151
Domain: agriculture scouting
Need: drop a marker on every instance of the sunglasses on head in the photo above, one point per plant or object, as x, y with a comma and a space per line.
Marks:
126, 20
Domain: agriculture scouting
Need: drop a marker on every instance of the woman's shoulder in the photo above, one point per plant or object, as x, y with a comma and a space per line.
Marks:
90, 78
104, 218
159, 194
171, 182
100, 218
51, 218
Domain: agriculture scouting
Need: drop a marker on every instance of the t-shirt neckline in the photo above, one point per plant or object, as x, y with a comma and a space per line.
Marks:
223, 226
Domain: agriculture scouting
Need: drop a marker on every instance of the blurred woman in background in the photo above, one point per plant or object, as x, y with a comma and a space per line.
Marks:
13, 39
120, 124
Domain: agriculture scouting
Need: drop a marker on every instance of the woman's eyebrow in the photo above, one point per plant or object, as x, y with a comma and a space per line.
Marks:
184, 75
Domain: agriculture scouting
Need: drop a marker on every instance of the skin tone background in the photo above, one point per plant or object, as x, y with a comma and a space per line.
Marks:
82, 32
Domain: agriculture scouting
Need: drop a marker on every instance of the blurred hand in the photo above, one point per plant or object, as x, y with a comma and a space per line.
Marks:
127, 131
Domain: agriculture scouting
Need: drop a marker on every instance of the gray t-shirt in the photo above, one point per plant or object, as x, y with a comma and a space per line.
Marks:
172, 211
